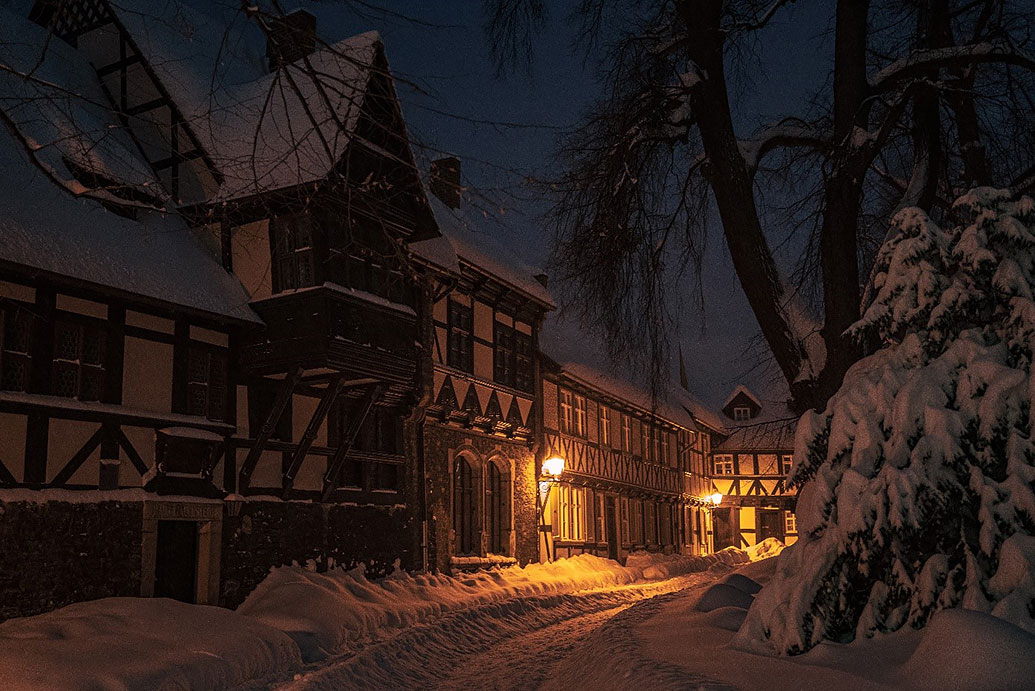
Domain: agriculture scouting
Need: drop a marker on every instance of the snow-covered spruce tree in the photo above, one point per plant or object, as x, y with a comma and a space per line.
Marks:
916, 482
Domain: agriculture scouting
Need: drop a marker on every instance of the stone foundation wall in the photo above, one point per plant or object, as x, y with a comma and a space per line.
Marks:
54, 553
439, 441
267, 534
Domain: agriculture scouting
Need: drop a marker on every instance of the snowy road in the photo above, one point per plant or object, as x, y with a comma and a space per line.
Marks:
525, 643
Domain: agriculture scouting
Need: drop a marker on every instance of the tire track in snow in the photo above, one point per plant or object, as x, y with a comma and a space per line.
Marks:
428, 655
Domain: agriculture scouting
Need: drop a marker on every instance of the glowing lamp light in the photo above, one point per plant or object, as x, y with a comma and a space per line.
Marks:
553, 467
715, 498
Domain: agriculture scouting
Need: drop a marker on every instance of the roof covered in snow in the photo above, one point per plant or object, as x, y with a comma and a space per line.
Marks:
45, 227
741, 389
676, 406
264, 130
470, 242
773, 430
576, 351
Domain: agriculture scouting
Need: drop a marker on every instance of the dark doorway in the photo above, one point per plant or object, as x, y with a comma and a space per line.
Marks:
176, 560
770, 524
610, 527
723, 529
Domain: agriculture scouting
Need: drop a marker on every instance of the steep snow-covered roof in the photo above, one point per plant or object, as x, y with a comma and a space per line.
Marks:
61, 112
471, 243
56, 103
741, 389
264, 130
45, 228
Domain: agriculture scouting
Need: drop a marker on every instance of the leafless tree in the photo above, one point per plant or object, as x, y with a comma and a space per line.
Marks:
924, 99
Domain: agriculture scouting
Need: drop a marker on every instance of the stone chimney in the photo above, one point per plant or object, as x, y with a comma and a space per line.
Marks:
291, 38
444, 179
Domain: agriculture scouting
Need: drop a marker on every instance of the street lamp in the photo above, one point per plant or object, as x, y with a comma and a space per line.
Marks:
550, 474
715, 499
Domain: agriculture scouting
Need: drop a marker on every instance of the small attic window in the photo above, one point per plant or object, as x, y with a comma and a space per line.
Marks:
742, 414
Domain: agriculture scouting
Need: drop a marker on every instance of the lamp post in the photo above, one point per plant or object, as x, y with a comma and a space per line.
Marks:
711, 502
549, 475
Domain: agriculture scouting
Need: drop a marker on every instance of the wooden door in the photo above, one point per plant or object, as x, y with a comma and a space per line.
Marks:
176, 560
723, 529
611, 528
770, 524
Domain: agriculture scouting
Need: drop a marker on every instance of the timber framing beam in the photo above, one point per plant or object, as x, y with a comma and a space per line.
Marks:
330, 395
283, 396
334, 466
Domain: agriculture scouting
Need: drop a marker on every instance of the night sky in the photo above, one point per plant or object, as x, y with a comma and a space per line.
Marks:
444, 51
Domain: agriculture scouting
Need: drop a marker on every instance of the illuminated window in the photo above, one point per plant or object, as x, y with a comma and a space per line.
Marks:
566, 411
581, 421
741, 414
626, 434
624, 505
605, 426
722, 464
790, 522
663, 445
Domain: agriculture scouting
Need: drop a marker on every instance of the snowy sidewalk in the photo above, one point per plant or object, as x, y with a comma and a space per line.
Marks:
687, 639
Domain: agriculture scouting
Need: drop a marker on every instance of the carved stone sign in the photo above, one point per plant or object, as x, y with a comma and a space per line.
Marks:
183, 511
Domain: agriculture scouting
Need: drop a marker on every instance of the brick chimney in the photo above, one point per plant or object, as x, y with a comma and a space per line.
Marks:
291, 38
444, 179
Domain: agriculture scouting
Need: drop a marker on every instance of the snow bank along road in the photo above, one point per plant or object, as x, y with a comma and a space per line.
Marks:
518, 644
302, 629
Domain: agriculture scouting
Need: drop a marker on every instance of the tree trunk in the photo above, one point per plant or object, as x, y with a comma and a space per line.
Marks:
731, 183
839, 243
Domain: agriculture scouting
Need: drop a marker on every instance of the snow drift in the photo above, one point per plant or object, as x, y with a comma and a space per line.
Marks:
135, 643
327, 613
917, 480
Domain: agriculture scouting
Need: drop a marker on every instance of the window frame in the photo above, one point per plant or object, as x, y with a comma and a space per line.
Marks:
741, 413
725, 461
216, 393
84, 327
292, 247
604, 425
460, 336
9, 355
566, 414
580, 415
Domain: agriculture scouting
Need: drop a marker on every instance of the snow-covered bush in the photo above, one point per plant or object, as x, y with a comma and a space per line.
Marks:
916, 482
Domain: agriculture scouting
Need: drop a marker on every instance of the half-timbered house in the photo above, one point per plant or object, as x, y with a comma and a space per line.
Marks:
222, 331
482, 419
748, 467
634, 468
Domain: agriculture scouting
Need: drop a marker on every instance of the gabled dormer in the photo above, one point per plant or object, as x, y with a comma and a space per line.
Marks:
742, 405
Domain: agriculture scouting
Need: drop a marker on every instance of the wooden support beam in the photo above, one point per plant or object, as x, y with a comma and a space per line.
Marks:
66, 473
319, 415
130, 450
6, 478
334, 466
283, 396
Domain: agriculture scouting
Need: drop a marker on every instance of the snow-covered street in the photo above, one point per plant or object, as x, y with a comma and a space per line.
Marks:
520, 644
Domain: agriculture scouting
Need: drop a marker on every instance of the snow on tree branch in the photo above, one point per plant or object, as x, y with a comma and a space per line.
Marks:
918, 479
919, 62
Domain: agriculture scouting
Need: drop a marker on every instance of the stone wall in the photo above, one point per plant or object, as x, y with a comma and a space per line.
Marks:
439, 441
267, 534
53, 553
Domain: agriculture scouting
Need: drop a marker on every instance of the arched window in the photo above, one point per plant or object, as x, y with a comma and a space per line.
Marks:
464, 523
497, 508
